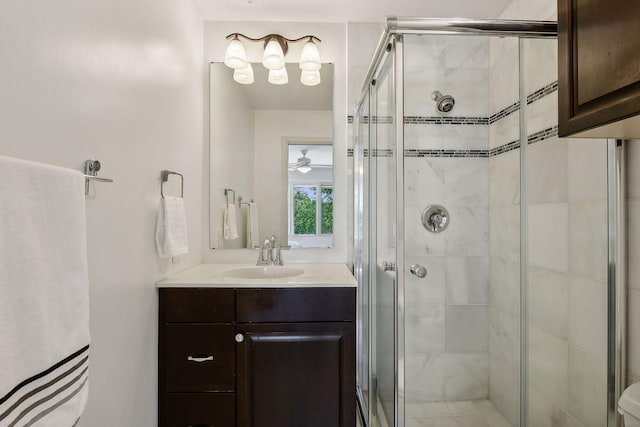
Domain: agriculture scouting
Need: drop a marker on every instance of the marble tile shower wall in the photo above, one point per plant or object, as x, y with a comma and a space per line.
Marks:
504, 236
567, 253
446, 317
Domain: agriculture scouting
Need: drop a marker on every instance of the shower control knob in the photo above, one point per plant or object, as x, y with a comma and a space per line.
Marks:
239, 338
418, 270
435, 218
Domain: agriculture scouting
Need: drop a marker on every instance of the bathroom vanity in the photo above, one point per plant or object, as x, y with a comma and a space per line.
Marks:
265, 352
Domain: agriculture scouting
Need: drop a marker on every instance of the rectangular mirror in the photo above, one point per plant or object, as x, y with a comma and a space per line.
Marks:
257, 136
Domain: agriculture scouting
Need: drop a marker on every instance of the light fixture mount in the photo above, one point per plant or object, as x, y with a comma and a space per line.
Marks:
282, 40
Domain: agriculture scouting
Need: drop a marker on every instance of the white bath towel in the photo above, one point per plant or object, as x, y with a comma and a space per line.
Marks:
44, 295
171, 228
229, 222
253, 233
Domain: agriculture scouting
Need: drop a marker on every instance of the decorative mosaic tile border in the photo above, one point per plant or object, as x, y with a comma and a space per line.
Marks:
505, 148
504, 112
542, 92
374, 119
440, 120
446, 153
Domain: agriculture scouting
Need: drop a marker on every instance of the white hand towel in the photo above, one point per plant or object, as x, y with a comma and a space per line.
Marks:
253, 234
44, 295
230, 225
171, 228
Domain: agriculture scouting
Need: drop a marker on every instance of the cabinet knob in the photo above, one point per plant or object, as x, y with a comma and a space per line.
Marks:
239, 337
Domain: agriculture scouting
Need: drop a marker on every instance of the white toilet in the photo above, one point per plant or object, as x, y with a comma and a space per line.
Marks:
629, 405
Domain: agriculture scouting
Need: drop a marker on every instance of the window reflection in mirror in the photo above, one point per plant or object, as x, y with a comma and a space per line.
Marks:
251, 129
310, 194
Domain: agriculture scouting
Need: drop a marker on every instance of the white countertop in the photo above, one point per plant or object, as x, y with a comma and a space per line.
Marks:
212, 276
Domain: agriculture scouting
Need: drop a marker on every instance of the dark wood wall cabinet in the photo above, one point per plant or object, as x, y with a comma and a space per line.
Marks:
599, 68
257, 357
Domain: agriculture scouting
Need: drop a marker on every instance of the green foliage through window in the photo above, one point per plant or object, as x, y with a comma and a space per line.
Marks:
305, 209
327, 210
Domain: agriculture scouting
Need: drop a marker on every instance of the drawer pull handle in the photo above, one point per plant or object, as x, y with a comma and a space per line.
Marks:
200, 359
239, 337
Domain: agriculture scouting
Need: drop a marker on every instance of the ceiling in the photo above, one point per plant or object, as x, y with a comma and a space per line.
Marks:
346, 11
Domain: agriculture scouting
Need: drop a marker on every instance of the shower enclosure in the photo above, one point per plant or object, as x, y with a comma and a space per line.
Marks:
459, 173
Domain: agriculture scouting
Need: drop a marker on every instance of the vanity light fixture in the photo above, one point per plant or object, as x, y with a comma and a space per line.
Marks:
279, 76
303, 164
275, 50
244, 75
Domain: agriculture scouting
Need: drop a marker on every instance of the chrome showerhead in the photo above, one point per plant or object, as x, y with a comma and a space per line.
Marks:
444, 103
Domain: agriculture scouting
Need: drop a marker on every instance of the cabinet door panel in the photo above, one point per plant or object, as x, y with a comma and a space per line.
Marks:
599, 68
199, 410
200, 358
293, 375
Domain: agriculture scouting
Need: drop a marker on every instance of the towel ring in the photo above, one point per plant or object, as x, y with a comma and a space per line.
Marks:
164, 175
226, 193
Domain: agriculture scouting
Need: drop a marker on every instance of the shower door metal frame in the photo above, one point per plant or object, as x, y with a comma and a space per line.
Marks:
391, 41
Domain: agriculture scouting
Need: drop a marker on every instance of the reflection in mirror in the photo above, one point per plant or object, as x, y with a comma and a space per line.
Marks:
257, 134
310, 194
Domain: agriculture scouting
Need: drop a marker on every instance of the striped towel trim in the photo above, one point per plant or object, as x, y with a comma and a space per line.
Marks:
26, 401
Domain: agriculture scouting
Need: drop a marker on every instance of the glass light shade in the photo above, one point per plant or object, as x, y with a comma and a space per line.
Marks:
310, 78
278, 77
310, 57
273, 58
304, 169
235, 57
244, 75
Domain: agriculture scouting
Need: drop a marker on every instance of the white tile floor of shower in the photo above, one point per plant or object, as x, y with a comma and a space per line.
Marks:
463, 413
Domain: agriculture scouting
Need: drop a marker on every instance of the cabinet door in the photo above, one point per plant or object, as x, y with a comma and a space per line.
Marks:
599, 67
296, 375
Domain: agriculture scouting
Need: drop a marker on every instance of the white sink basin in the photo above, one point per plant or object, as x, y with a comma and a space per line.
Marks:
263, 272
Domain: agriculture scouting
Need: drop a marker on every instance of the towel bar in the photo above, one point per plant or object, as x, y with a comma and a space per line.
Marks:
91, 168
164, 175
244, 203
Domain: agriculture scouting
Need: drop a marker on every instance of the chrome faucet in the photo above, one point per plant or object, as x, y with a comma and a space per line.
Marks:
270, 252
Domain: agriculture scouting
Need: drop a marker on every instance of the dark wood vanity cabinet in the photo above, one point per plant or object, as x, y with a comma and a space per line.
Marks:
278, 358
599, 68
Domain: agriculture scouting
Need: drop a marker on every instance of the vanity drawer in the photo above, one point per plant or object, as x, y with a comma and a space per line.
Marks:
197, 305
199, 357
295, 305
200, 410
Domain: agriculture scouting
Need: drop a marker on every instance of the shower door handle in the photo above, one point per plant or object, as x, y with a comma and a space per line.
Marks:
418, 270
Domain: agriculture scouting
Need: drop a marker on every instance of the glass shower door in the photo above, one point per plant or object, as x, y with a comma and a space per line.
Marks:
382, 273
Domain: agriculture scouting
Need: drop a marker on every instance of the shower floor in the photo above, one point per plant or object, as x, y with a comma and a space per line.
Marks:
463, 413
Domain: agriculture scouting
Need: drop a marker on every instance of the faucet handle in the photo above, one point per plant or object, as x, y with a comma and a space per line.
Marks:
277, 257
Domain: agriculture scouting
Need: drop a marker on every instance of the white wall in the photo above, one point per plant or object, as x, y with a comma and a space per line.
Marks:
333, 50
119, 81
